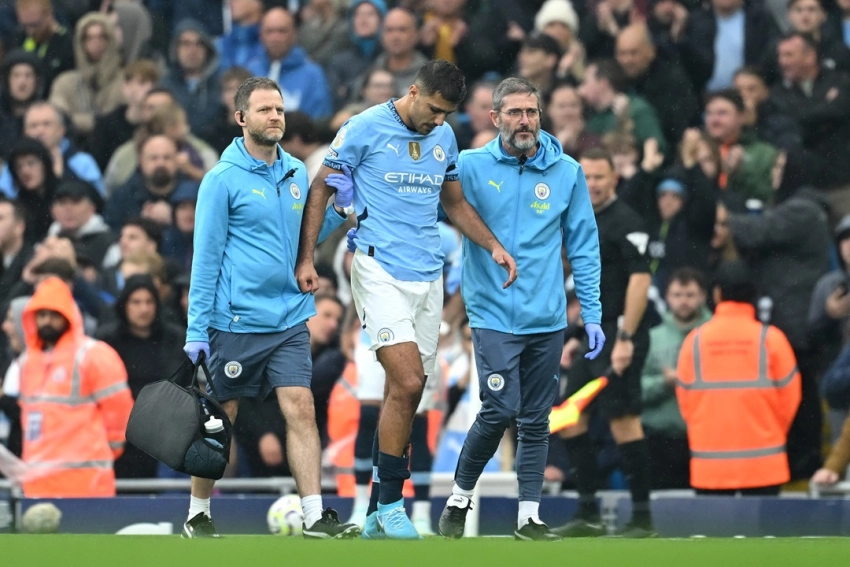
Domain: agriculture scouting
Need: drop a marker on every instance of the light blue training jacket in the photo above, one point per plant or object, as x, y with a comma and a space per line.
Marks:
247, 224
532, 210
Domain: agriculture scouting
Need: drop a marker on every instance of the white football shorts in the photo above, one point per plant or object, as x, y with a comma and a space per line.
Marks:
371, 378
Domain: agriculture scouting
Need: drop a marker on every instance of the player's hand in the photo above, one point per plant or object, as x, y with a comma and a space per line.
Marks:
344, 185
194, 349
270, 450
621, 356
307, 278
595, 340
501, 257
825, 477
350, 237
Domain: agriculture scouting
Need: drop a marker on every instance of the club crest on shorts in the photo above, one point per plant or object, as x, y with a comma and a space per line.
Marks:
233, 369
439, 154
541, 191
414, 150
385, 335
294, 191
495, 382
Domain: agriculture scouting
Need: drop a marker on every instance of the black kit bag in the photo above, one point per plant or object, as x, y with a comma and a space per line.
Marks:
167, 423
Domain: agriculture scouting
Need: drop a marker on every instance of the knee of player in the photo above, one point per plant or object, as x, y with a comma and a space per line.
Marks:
296, 403
499, 415
533, 431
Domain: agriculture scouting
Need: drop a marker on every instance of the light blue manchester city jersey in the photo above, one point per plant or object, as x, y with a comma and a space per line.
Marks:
398, 174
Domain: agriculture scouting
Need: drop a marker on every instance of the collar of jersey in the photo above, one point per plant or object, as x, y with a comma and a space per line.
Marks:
396, 115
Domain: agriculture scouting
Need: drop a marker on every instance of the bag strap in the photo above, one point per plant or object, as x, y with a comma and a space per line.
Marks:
202, 365
179, 372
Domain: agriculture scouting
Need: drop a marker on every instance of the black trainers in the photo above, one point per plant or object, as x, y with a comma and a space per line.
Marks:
535, 530
579, 527
636, 531
329, 527
453, 518
200, 525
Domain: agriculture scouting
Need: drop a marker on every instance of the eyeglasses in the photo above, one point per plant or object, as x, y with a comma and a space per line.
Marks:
516, 113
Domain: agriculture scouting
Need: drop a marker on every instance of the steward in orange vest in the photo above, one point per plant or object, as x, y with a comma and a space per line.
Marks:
74, 400
738, 390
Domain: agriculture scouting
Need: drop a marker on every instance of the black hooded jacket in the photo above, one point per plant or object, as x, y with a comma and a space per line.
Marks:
36, 204
11, 126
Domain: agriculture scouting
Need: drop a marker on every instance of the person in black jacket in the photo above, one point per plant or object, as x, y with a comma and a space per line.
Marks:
21, 83
32, 174
150, 349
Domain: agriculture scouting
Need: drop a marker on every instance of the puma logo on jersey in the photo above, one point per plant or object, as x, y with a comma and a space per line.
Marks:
260, 193
393, 148
498, 186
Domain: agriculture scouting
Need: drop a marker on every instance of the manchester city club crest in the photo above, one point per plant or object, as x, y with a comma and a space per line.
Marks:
294, 191
385, 335
414, 150
541, 191
439, 154
495, 382
233, 369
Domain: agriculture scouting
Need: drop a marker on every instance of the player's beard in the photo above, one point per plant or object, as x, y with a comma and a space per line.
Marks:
523, 145
262, 138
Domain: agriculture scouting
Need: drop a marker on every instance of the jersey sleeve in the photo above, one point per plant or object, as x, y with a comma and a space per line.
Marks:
348, 147
633, 243
452, 172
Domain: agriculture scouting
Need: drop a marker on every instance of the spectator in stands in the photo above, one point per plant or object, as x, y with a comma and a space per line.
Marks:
210, 13
666, 433
148, 192
170, 120
400, 57
476, 113
537, 62
738, 389
819, 101
137, 235
787, 249
680, 37
324, 33
558, 20
224, 128
113, 129
808, 16
566, 121
301, 139
43, 35
15, 250
124, 160
13, 328
739, 35
761, 114
448, 32
177, 242
44, 122
193, 74
328, 359
839, 21
21, 83
663, 83
747, 162
150, 350
678, 206
364, 23
301, 80
611, 109
31, 169
241, 46
74, 400
599, 30
133, 31
93, 88
74, 210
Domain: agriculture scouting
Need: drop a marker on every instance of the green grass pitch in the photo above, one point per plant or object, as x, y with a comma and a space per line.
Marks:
243, 551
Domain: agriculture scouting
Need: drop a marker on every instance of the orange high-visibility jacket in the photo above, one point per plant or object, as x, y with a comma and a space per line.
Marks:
738, 390
75, 404
343, 421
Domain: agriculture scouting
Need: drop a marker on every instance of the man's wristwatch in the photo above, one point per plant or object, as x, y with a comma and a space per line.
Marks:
623, 335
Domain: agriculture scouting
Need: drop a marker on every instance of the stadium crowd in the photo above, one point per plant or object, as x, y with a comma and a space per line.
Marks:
728, 123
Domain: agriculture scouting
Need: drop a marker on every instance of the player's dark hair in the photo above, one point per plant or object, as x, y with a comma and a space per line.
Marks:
443, 78
736, 282
610, 71
686, 275
596, 154
510, 86
730, 95
243, 93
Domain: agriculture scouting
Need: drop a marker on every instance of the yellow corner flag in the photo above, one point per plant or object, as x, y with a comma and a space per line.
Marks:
567, 414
